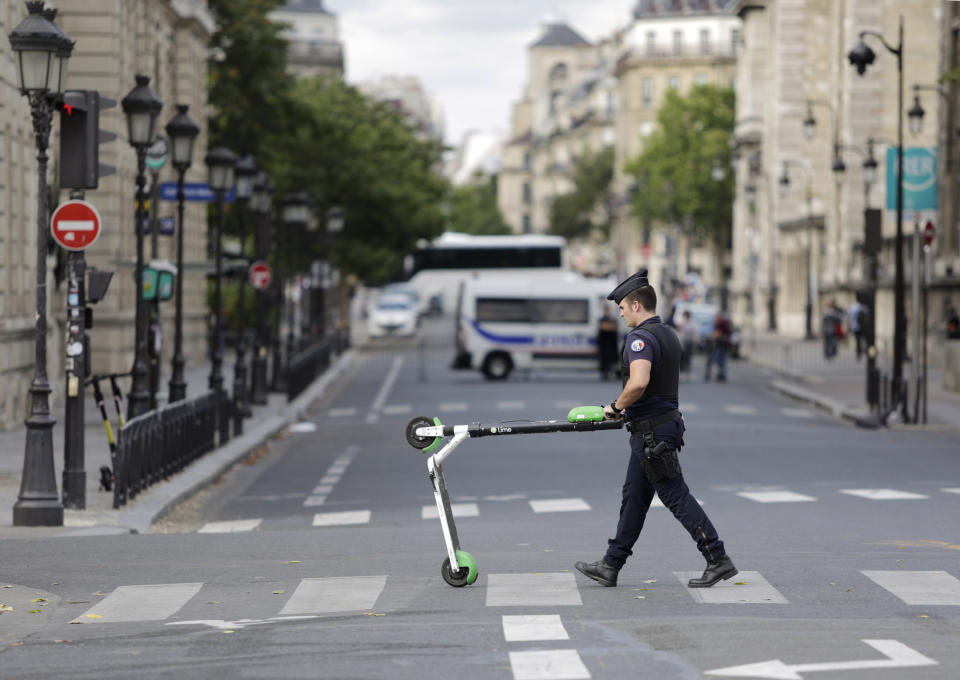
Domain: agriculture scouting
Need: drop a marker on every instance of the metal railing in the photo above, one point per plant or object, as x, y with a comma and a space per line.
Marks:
306, 365
157, 444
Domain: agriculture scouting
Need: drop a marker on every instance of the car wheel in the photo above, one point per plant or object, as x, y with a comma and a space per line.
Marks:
497, 366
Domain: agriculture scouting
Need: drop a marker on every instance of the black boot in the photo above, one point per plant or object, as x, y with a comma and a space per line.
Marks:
716, 570
601, 572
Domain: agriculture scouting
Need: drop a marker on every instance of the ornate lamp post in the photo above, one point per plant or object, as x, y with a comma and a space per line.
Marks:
182, 132
296, 217
260, 205
220, 162
141, 107
42, 51
245, 173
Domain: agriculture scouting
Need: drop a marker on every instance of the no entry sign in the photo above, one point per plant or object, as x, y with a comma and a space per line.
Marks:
260, 275
75, 225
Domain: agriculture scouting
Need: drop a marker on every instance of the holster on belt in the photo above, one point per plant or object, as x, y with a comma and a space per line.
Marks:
659, 462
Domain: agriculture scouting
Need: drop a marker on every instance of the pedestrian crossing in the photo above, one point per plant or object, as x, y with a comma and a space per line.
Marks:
324, 595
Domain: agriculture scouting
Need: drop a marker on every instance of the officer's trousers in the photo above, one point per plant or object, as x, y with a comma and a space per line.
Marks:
637, 495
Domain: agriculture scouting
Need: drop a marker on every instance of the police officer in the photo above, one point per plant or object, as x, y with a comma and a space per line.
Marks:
649, 404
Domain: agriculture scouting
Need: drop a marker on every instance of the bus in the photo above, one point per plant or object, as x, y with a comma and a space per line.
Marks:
437, 269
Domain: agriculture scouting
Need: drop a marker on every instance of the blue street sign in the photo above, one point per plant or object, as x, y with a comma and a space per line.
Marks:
919, 178
166, 225
192, 191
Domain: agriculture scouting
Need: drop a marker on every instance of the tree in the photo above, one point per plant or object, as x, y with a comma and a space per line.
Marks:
473, 207
577, 213
674, 171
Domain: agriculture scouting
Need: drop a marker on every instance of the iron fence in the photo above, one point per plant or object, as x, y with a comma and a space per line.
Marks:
157, 444
306, 365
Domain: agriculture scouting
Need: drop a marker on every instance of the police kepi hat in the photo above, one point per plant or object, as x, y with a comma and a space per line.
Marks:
638, 280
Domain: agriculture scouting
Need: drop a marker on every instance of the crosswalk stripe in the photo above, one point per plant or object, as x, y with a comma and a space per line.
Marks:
329, 519
452, 406
322, 489
565, 405
657, 503
511, 405
329, 479
559, 505
553, 664
738, 410
689, 408
883, 494
230, 527
334, 594
746, 587
341, 412
951, 490
534, 628
532, 590
775, 496
459, 510
141, 603
397, 410
314, 501
796, 412
918, 587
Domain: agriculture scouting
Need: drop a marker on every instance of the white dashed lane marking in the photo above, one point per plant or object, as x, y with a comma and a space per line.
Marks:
796, 413
330, 519
951, 490
883, 494
738, 410
559, 505
511, 405
775, 496
341, 412
747, 587
919, 587
534, 628
554, 664
141, 603
532, 590
397, 410
453, 406
230, 527
459, 510
334, 594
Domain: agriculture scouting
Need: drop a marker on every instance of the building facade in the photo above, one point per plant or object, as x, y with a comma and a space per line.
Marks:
408, 96
313, 35
166, 40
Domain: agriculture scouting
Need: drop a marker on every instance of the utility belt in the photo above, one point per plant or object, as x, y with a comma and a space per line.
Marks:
659, 462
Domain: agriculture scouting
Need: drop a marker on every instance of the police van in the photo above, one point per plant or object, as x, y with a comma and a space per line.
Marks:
506, 323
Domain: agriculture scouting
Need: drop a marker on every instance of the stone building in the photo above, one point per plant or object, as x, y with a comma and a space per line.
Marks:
408, 96
804, 113
314, 38
166, 40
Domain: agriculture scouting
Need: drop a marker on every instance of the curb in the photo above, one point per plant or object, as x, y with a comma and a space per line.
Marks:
155, 502
836, 408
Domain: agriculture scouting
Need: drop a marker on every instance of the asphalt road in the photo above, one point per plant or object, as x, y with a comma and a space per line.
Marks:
319, 556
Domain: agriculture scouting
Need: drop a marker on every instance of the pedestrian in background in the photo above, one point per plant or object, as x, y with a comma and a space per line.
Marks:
830, 323
649, 402
607, 343
953, 322
689, 337
719, 344
857, 319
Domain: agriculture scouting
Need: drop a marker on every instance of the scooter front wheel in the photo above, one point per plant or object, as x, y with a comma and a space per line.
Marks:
465, 575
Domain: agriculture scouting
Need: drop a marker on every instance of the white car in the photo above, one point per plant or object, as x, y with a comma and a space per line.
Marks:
393, 315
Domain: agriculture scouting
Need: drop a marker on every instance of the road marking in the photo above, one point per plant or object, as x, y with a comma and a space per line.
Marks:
303, 427
506, 497
329, 519
532, 590
314, 501
459, 510
883, 494
385, 388
559, 505
534, 628
796, 412
329, 479
690, 408
322, 489
336, 469
221, 624
397, 410
230, 527
511, 405
341, 412
752, 589
898, 656
334, 594
738, 410
141, 603
951, 490
918, 587
554, 664
775, 496
453, 406
657, 503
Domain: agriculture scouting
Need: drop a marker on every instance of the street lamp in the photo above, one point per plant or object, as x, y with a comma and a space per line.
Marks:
182, 132
220, 162
295, 213
784, 184
861, 56
915, 116
141, 107
42, 51
260, 204
246, 173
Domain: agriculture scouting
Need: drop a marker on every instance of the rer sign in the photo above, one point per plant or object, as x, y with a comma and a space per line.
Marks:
919, 178
75, 225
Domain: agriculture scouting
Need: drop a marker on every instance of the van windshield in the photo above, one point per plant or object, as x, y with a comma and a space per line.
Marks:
523, 310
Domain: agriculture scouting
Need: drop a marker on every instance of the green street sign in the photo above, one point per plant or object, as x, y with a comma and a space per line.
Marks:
149, 283
919, 178
165, 286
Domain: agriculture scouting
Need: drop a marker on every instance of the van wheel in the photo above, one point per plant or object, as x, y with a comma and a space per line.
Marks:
497, 366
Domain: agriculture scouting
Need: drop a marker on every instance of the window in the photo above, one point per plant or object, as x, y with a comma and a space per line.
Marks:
558, 72
560, 311
678, 42
700, 79
734, 42
527, 160
651, 43
674, 82
503, 310
647, 91
527, 193
705, 41
526, 223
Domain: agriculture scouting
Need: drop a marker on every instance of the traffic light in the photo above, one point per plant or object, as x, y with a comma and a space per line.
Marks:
80, 139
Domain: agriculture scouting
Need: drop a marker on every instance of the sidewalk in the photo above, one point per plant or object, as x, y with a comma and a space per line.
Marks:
99, 517
839, 385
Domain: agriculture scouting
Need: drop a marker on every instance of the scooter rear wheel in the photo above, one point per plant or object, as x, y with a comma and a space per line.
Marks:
465, 575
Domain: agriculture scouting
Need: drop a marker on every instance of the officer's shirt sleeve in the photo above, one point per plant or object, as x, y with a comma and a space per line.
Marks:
641, 345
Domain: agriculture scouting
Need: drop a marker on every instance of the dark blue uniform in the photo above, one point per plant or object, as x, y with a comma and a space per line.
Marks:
657, 343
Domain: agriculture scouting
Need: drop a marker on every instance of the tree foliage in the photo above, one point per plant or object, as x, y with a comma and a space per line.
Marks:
473, 207
674, 171
577, 213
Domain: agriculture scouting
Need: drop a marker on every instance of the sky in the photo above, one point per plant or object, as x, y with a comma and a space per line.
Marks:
470, 54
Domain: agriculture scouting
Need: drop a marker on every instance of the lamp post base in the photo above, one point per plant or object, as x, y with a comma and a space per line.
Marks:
38, 504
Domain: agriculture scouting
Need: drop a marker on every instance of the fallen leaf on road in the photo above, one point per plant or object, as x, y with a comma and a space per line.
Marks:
372, 614
923, 616
740, 583
212, 602
94, 616
639, 597
651, 580
34, 611
278, 592
16, 644
293, 562
8, 586
5, 608
228, 631
38, 599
